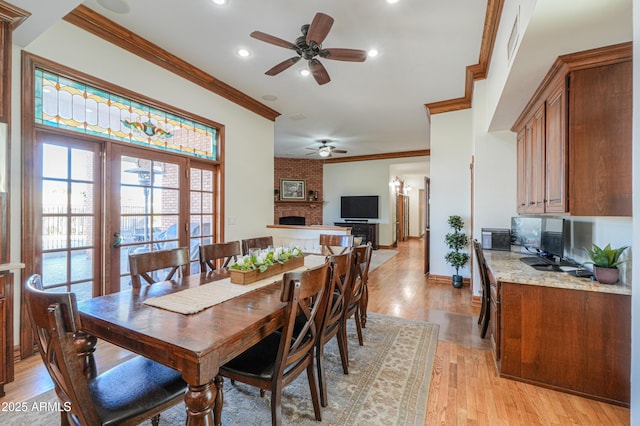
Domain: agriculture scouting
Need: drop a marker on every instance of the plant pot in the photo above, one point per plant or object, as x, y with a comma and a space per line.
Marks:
606, 275
456, 281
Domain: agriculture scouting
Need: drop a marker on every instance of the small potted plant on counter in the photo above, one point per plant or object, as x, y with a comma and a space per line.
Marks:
456, 241
605, 263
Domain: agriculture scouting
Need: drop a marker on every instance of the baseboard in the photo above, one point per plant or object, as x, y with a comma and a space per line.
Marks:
476, 301
446, 279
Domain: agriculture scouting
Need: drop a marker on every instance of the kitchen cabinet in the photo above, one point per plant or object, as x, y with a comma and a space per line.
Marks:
574, 137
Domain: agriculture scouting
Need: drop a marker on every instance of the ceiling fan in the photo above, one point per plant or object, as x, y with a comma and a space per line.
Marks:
325, 150
309, 47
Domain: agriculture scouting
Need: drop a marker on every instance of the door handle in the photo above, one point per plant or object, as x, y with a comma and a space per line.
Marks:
117, 240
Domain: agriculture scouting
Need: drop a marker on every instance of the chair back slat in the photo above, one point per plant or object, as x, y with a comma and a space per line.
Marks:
341, 275
142, 265
361, 262
335, 244
210, 253
55, 323
259, 242
306, 294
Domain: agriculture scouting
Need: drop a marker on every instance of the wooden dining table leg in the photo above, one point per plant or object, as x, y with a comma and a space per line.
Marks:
217, 409
199, 401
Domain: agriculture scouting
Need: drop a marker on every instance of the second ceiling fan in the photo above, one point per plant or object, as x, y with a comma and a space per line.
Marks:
309, 47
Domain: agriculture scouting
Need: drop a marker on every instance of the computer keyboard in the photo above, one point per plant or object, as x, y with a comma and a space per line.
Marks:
536, 260
543, 261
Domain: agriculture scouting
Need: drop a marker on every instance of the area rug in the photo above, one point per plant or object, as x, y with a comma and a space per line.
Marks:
388, 384
380, 257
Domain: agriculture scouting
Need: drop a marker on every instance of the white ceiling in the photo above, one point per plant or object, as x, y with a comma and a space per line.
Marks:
368, 108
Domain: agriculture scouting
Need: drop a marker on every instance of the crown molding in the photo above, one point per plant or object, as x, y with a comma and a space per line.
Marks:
478, 71
12, 14
102, 27
384, 156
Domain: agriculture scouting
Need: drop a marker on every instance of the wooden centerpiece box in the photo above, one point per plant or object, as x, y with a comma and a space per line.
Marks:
253, 275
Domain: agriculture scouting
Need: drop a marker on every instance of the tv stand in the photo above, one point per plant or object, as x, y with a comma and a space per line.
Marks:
356, 220
368, 231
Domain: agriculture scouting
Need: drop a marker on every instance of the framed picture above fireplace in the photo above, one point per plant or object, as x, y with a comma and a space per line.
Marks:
292, 189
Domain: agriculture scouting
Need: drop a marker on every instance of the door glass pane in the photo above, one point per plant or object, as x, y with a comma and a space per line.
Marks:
201, 208
56, 165
149, 208
68, 209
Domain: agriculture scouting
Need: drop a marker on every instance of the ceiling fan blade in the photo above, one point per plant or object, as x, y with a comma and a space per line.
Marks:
267, 38
319, 72
351, 55
319, 28
283, 66
339, 151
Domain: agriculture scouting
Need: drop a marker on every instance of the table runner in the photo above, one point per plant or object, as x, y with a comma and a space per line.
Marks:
193, 300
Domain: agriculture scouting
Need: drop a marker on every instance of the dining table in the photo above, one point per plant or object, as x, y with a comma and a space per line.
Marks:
195, 343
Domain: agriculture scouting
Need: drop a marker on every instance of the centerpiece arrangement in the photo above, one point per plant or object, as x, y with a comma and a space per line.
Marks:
263, 263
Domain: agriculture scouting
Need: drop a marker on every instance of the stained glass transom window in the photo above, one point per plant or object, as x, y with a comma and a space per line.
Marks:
67, 104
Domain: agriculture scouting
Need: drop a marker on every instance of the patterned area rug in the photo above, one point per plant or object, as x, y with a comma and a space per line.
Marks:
388, 384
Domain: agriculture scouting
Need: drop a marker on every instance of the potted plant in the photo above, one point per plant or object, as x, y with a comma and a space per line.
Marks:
605, 263
456, 241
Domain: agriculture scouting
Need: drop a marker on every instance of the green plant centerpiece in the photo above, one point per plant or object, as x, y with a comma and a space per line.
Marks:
605, 263
456, 241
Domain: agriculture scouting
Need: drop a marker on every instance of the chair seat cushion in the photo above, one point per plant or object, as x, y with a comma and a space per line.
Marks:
134, 387
258, 361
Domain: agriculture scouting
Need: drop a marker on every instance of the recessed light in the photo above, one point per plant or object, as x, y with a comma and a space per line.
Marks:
270, 98
373, 53
220, 2
392, 1
305, 72
242, 52
116, 6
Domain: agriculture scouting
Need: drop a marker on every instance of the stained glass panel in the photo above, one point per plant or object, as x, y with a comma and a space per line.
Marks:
68, 104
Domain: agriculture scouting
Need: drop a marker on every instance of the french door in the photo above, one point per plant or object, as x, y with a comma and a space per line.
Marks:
68, 215
101, 202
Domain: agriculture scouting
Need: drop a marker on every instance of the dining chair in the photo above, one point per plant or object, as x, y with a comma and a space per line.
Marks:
133, 391
279, 358
364, 300
209, 253
485, 308
339, 243
259, 242
361, 259
141, 264
332, 323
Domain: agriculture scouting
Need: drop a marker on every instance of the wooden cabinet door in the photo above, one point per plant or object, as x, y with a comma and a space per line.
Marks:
534, 162
556, 152
600, 117
521, 195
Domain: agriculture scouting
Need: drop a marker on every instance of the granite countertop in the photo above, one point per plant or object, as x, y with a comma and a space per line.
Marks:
507, 267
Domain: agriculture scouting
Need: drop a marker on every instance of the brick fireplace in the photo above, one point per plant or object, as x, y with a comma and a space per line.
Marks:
311, 172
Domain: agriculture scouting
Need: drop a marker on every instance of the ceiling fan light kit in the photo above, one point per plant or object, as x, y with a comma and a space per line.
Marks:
309, 47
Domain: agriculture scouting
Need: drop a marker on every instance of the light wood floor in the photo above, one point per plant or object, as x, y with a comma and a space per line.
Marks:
465, 388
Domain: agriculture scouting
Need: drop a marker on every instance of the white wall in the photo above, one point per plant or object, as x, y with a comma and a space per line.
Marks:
494, 174
248, 137
362, 178
451, 150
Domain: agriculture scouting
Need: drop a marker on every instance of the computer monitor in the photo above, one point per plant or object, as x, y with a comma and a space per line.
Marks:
526, 231
552, 240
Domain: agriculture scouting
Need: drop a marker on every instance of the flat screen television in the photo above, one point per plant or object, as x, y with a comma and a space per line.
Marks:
552, 237
359, 207
526, 231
